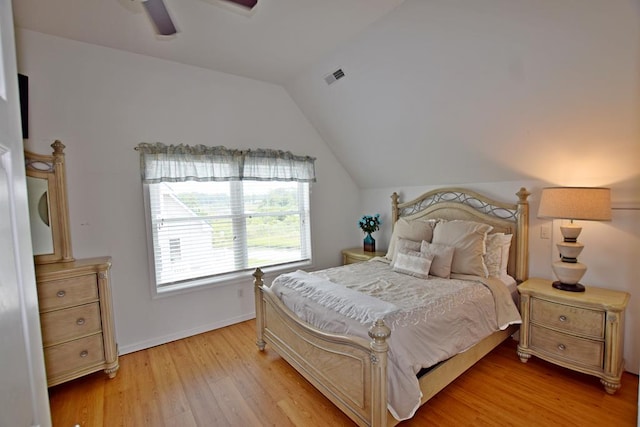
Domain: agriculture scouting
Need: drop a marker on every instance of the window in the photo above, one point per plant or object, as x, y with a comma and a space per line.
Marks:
249, 215
174, 250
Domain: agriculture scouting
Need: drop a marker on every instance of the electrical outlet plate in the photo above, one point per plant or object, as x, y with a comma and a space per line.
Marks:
545, 232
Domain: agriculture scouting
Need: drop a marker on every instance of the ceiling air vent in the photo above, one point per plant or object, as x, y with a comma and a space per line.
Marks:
333, 77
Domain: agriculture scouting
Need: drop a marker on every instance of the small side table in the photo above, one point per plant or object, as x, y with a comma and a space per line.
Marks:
583, 331
353, 255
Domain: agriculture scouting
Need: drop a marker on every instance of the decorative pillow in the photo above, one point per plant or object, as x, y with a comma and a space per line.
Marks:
468, 237
442, 258
413, 263
506, 245
404, 245
416, 230
497, 256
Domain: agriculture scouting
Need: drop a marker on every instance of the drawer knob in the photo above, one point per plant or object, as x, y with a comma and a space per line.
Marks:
61, 294
562, 318
80, 321
562, 347
84, 353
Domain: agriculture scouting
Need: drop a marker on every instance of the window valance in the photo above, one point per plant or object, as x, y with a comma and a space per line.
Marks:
177, 163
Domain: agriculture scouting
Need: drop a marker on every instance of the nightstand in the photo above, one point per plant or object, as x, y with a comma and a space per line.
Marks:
353, 255
583, 331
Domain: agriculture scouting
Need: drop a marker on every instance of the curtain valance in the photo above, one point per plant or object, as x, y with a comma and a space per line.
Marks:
176, 163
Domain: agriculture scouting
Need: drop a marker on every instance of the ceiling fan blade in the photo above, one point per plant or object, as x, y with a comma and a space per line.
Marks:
249, 4
160, 16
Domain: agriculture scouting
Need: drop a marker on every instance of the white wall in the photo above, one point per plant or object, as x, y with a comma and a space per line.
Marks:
509, 90
101, 103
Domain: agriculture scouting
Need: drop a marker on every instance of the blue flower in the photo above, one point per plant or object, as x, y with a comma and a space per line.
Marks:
369, 223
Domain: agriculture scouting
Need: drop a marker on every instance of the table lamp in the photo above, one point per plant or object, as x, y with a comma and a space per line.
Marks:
573, 203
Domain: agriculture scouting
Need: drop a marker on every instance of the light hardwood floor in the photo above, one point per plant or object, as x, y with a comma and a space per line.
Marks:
220, 378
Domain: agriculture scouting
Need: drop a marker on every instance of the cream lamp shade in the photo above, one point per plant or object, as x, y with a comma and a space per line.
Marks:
585, 203
573, 203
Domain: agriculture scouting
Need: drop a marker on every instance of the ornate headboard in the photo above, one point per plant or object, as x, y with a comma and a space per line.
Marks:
458, 203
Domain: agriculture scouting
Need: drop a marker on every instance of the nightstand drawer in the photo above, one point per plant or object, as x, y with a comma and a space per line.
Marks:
352, 260
74, 355
571, 319
66, 292
354, 255
586, 352
70, 323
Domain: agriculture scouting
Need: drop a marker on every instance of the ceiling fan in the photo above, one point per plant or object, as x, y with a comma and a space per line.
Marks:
161, 19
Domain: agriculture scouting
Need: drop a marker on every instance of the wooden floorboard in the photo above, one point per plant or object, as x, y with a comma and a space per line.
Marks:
219, 378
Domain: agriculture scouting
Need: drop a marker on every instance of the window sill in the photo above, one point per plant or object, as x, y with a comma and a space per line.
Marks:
230, 279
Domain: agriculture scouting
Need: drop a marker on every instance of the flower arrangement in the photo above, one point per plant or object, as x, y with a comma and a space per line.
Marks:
369, 223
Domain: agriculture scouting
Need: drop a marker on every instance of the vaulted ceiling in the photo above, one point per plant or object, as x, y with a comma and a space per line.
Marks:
434, 92
274, 42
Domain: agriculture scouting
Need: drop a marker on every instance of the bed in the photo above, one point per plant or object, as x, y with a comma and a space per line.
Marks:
354, 370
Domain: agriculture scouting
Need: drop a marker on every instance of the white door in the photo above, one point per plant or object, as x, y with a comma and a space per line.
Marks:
23, 388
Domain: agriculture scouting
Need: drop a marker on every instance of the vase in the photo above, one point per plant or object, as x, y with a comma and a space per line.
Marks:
369, 243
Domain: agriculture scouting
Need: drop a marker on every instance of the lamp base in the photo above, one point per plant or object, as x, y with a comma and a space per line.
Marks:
577, 287
568, 273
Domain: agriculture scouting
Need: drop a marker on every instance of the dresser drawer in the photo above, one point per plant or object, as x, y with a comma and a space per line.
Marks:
571, 319
67, 292
73, 355
69, 323
583, 351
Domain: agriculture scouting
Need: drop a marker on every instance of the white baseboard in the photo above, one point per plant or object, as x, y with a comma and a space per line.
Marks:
182, 334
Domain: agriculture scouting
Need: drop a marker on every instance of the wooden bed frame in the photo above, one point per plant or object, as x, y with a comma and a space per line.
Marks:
352, 371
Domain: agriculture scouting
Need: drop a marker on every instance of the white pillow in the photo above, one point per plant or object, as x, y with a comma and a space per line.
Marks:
404, 245
497, 256
413, 263
416, 230
442, 258
506, 246
468, 237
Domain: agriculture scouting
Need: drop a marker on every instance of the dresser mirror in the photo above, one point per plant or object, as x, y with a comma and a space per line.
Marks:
48, 209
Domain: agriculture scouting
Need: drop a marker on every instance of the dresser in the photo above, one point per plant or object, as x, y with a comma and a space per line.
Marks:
353, 255
583, 331
76, 318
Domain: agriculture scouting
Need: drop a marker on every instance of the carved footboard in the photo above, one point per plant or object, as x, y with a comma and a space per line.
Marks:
349, 371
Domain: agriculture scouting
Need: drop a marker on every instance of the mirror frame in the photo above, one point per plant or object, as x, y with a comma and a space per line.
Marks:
52, 169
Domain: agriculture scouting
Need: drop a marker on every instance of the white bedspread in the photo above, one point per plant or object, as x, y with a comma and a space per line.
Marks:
431, 320
356, 305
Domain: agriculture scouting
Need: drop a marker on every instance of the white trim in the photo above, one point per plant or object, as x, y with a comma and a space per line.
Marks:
141, 345
235, 278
